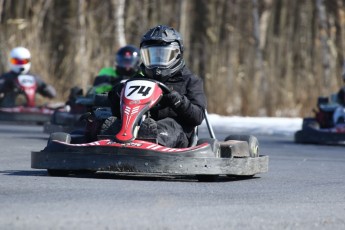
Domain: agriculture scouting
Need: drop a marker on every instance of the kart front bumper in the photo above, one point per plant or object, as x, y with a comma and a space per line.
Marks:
149, 163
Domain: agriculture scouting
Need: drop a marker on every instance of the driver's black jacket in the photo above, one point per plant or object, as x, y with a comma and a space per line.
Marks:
8, 86
191, 111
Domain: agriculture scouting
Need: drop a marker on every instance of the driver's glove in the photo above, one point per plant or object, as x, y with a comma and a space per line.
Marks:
49, 91
172, 99
88, 117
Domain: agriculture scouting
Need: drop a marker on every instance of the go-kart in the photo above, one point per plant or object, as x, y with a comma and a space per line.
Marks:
125, 153
321, 128
22, 103
71, 118
78, 104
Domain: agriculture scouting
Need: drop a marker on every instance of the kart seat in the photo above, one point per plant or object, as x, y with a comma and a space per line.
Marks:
322, 101
324, 114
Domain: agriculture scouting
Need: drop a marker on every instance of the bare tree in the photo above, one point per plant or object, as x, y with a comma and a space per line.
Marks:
1, 6
82, 59
184, 11
255, 57
325, 48
119, 6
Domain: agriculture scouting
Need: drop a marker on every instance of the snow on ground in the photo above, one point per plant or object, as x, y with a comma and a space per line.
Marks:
255, 125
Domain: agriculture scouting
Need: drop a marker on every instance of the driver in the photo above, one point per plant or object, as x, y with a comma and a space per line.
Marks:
127, 65
20, 63
341, 93
127, 61
182, 109
339, 113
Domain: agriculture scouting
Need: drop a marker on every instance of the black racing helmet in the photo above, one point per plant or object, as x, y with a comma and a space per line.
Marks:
127, 61
161, 51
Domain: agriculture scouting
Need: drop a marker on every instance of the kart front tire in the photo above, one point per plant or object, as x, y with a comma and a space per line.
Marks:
207, 178
109, 127
58, 172
64, 173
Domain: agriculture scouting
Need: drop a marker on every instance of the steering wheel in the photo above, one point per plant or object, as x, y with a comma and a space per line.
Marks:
165, 90
164, 87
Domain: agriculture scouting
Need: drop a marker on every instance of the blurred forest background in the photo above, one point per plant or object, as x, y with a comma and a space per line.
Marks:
256, 57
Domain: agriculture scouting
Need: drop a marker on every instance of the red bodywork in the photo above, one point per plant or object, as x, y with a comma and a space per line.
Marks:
28, 85
137, 97
138, 144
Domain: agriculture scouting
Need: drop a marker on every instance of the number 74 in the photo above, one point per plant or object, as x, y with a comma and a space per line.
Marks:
143, 90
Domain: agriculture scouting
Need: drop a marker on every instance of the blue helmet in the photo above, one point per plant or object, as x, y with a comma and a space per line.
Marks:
127, 61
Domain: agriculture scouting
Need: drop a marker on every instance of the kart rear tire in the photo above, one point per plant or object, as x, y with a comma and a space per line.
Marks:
252, 141
60, 136
241, 177
58, 172
207, 178
64, 173
299, 137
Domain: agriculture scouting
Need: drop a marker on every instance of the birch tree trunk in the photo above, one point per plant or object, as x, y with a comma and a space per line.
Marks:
119, 8
82, 59
260, 76
341, 37
184, 10
325, 48
1, 7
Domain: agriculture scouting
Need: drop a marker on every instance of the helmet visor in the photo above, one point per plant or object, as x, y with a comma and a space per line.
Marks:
128, 60
160, 55
17, 61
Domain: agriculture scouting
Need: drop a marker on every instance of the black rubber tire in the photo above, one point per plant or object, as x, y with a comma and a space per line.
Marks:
109, 126
299, 136
241, 177
64, 173
207, 178
252, 141
58, 172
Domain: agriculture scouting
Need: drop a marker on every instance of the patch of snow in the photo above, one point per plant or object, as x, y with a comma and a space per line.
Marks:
255, 125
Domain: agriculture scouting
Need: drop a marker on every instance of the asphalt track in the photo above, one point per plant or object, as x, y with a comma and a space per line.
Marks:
304, 189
